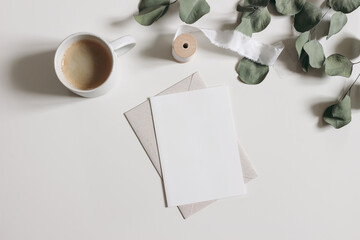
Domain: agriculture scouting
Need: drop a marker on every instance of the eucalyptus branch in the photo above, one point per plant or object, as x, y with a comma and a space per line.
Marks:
189, 12
322, 17
325, 14
349, 89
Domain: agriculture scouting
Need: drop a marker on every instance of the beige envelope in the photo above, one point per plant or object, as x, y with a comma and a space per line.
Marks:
140, 119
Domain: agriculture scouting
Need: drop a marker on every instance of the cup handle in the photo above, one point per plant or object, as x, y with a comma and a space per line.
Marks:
123, 45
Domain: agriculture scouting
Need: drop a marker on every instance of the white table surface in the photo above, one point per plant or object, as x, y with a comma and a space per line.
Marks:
72, 168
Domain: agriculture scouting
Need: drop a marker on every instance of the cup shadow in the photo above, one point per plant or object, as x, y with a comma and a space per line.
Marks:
35, 74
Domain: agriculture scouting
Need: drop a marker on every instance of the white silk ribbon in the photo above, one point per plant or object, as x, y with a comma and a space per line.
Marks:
238, 42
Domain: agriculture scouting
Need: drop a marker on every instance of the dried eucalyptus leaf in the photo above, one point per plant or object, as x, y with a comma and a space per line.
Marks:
339, 114
300, 42
245, 27
193, 10
259, 19
345, 6
149, 15
316, 53
338, 65
152, 3
289, 7
251, 72
337, 22
307, 18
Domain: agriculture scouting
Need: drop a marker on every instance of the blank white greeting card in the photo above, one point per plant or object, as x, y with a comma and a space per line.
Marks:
197, 146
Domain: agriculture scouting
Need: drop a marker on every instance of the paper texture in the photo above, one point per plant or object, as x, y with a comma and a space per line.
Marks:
140, 119
197, 146
238, 42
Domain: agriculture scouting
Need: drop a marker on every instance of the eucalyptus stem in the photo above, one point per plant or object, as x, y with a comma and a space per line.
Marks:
349, 89
325, 14
173, 2
314, 28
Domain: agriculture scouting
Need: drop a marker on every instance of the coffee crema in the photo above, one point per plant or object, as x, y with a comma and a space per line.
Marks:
86, 64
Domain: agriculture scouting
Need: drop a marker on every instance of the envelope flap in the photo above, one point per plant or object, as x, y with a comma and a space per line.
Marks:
140, 120
193, 82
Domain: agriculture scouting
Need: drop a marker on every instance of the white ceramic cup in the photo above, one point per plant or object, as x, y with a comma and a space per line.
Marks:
115, 48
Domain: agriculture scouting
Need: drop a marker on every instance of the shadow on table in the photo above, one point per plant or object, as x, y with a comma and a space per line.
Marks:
319, 108
355, 97
160, 48
289, 59
349, 47
122, 21
35, 74
322, 29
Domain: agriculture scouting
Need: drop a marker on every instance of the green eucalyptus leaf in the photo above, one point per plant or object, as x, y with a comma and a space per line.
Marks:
240, 8
289, 7
149, 15
300, 42
345, 6
152, 3
259, 19
245, 27
316, 53
339, 114
251, 72
337, 22
307, 18
338, 65
304, 59
258, 3
193, 10
252, 3
245, 6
